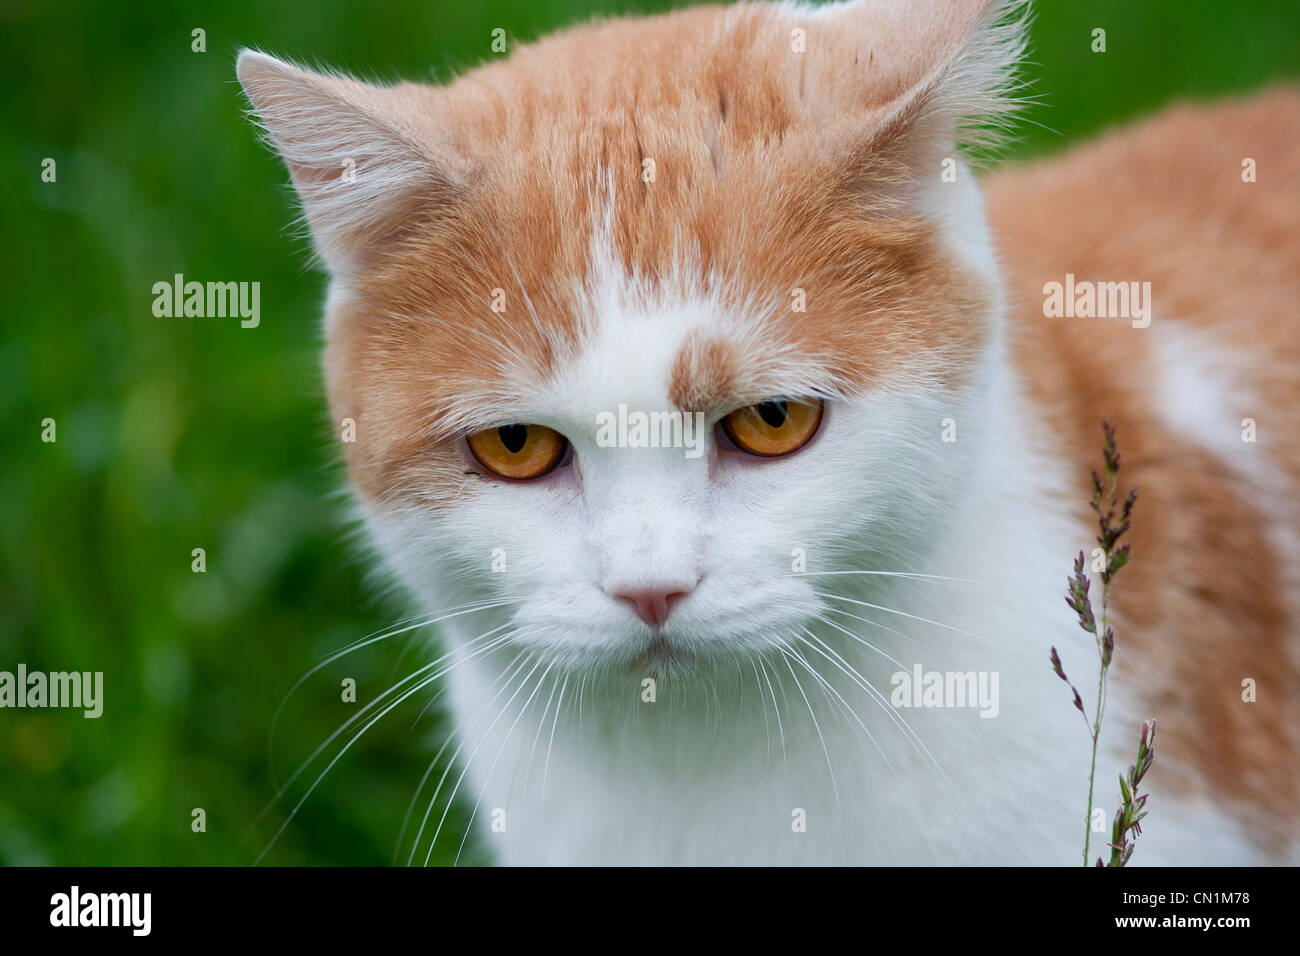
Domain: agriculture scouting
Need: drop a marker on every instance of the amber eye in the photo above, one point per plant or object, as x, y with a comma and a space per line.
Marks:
775, 428
518, 451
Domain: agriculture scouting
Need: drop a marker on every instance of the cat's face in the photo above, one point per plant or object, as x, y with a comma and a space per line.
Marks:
710, 218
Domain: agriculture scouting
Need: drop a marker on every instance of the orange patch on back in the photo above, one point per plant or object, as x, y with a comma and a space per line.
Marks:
1208, 599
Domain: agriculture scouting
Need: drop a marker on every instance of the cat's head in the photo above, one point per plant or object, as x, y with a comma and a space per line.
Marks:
752, 217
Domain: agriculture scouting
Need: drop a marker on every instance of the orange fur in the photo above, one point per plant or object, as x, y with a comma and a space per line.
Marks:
770, 174
1206, 600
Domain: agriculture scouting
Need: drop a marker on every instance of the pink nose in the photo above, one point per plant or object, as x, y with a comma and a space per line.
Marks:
652, 605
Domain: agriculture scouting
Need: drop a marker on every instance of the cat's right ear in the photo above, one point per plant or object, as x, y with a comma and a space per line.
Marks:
357, 160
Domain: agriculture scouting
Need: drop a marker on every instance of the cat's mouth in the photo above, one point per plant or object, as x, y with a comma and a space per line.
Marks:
658, 651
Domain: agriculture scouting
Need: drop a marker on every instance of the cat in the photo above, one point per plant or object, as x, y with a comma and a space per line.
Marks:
764, 217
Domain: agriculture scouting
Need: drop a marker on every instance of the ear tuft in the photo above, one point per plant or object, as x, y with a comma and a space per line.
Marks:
354, 154
926, 74
981, 89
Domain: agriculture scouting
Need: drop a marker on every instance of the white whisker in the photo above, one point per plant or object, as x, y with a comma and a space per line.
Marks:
346, 747
817, 726
365, 642
924, 620
908, 732
469, 761
516, 664
437, 757
492, 769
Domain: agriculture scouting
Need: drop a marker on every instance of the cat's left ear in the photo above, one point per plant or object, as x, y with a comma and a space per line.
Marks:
362, 164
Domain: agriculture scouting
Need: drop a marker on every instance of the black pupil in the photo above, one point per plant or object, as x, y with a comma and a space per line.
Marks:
513, 437
773, 413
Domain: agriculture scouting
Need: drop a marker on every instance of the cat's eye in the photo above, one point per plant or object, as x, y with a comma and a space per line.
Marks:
519, 452
775, 428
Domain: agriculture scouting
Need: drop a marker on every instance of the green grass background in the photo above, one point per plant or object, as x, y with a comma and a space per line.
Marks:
175, 434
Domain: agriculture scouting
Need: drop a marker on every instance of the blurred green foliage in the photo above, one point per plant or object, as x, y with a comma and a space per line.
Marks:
175, 434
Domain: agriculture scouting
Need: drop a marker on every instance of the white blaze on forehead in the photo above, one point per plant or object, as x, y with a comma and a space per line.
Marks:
630, 357
633, 331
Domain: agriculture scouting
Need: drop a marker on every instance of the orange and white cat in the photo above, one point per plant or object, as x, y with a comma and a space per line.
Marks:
711, 404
